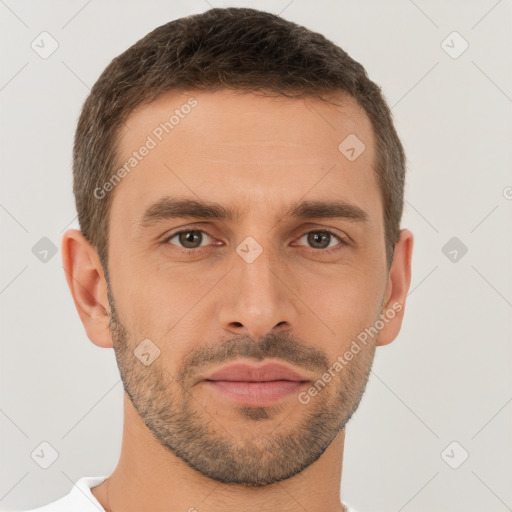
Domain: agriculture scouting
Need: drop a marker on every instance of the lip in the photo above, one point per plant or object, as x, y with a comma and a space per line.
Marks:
256, 385
243, 372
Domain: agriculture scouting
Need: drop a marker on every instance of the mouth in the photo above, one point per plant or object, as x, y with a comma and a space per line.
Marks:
256, 385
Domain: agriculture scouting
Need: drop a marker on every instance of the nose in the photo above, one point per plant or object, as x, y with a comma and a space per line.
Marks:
257, 298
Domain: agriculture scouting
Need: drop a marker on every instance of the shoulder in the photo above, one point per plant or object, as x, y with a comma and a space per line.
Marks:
79, 499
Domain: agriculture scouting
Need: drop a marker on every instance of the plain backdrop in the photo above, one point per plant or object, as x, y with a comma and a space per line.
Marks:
439, 393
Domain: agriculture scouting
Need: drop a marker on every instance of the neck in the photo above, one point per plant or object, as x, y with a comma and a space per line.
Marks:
150, 477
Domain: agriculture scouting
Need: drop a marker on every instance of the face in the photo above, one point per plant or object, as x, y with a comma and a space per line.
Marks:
284, 264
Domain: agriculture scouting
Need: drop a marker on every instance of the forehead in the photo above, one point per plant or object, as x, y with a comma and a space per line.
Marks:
247, 151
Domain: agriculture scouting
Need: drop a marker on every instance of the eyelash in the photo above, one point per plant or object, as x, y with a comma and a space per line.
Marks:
342, 241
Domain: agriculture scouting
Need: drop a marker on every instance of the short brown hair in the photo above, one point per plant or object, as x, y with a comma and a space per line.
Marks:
237, 48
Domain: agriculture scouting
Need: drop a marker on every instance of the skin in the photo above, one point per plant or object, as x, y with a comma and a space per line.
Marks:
295, 303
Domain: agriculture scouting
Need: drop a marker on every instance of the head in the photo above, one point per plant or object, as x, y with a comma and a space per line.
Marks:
239, 187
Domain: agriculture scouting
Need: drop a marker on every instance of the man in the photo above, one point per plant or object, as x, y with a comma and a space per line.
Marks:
239, 187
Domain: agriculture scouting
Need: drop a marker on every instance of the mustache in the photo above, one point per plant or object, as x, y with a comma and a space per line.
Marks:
281, 346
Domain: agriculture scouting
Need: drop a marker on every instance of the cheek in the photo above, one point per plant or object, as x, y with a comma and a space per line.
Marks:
162, 302
345, 305
140, 299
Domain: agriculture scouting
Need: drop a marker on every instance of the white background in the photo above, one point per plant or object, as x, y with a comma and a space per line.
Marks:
447, 377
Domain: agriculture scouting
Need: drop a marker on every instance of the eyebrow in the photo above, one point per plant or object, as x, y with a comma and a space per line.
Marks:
168, 208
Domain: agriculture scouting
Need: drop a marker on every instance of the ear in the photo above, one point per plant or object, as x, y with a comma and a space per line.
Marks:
88, 286
397, 288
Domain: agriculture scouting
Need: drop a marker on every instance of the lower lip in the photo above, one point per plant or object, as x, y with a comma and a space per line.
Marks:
256, 393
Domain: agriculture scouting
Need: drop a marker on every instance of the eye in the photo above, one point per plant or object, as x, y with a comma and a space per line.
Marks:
189, 239
321, 239
193, 239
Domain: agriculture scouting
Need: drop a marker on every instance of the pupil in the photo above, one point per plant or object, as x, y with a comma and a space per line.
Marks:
188, 238
317, 238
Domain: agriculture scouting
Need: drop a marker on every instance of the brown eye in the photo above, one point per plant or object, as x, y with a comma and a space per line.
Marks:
189, 239
322, 239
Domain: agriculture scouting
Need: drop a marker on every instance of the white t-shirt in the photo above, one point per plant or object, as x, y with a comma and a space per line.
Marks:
81, 499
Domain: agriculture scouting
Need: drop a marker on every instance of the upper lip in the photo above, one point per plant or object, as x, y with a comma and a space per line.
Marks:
251, 373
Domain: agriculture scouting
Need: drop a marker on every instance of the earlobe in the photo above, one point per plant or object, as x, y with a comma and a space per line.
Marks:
397, 288
87, 284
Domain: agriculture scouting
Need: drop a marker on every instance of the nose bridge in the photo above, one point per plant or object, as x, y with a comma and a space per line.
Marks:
257, 299
256, 265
